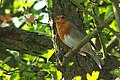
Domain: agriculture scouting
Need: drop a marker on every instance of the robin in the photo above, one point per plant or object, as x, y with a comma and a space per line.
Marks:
71, 36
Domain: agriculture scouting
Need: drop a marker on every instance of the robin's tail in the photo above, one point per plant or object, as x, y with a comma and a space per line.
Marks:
87, 48
98, 61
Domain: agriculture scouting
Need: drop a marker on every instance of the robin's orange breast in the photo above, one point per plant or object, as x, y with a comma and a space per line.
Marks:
63, 28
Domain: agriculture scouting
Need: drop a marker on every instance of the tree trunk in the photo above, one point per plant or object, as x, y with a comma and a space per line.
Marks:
15, 39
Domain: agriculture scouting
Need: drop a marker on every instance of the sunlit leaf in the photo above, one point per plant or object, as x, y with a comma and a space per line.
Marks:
27, 57
48, 31
94, 76
71, 63
88, 76
59, 75
113, 25
50, 3
19, 4
109, 11
47, 54
77, 78
87, 18
1, 72
47, 78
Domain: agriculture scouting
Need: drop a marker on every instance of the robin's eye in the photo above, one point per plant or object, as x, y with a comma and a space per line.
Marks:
62, 17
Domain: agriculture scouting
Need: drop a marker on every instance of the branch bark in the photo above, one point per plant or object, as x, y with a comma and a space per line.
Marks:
23, 41
4, 54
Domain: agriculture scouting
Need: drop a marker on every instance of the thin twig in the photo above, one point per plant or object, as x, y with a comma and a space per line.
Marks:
104, 46
114, 42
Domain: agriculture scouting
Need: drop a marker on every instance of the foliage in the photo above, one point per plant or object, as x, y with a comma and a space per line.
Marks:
23, 14
94, 76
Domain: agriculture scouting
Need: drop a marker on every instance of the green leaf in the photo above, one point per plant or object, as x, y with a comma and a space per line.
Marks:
116, 72
113, 25
1, 72
96, 11
50, 3
15, 76
71, 63
94, 76
47, 54
77, 78
59, 75
109, 11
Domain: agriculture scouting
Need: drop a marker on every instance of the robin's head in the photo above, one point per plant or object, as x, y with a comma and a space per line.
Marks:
60, 19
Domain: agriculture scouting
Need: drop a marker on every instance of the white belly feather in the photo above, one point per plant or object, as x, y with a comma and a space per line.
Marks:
69, 41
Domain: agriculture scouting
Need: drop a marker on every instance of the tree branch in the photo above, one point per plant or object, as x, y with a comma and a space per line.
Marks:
103, 46
24, 41
114, 42
4, 54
